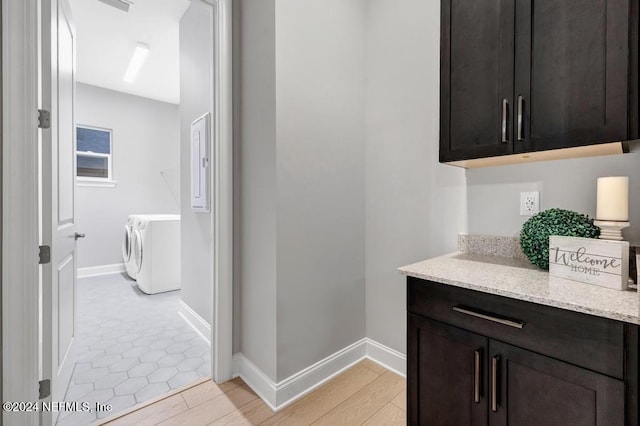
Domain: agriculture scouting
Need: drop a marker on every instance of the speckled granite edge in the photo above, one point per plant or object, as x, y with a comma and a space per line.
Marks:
518, 279
490, 245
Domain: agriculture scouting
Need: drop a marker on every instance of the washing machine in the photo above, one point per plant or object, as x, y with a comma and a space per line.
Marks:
127, 244
156, 253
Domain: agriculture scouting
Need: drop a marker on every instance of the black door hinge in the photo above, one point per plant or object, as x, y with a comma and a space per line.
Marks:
44, 119
44, 390
44, 254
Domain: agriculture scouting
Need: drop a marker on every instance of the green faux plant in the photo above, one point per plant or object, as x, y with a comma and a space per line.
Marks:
534, 237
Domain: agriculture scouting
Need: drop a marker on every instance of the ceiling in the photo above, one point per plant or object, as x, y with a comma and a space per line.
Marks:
106, 38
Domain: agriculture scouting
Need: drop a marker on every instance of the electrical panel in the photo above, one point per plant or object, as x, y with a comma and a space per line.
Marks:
200, 169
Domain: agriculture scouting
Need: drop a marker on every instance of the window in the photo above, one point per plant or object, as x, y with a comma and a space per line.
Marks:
93, 151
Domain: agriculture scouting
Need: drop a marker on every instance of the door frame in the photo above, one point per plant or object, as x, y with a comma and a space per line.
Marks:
20, 270
19, 210
222, 183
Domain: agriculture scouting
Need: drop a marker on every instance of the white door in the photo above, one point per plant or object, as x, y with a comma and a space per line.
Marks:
58, 197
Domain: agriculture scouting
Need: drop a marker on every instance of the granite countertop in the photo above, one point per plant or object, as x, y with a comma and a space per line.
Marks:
518, 279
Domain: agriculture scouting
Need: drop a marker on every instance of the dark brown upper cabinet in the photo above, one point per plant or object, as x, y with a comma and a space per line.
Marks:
519, 76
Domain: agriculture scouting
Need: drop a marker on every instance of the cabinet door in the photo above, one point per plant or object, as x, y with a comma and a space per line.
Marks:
532, 390
476, 78
446, 375
571, 73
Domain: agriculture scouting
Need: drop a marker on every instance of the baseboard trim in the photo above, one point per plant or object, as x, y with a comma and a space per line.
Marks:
388, 358
281, 394
303, 382
256, 379
199, 324
96, 271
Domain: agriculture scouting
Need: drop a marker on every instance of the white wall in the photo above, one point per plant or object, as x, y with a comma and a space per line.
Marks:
320, 179
415, 207
196, 80
494, 192
145, 143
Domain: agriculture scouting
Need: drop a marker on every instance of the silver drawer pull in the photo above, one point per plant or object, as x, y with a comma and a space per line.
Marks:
477, 365
520, 112
488, 317
494, 382
505, 121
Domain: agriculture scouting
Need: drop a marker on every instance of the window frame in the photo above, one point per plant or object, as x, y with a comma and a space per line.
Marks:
95, 181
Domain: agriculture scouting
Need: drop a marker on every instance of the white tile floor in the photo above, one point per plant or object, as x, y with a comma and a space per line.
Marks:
131, 347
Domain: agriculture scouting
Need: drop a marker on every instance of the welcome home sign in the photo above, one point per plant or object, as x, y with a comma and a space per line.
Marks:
598, 262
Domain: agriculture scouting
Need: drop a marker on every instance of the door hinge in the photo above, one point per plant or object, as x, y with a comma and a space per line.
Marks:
44, 119
44, 390
44, 253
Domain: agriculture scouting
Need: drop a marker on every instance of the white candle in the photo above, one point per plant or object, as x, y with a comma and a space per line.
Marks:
613, 199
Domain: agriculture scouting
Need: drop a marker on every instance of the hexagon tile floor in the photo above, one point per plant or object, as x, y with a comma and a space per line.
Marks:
131, 347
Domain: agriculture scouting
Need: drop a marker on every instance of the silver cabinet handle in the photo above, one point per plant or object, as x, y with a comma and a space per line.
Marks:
78, 235
520, 111
505, 120
476, 374
489, 317
494, 382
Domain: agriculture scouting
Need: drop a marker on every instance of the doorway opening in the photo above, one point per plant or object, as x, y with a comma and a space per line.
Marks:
38, 74
135, 292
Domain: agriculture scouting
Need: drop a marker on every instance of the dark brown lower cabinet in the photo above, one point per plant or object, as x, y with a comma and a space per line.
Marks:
461, 378
532, 389
450, 384
485, 377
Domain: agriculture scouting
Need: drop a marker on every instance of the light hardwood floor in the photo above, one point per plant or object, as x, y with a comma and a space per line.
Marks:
366, 394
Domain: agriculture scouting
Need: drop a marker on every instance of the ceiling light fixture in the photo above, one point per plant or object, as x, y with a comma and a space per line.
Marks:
138, 58
118, 4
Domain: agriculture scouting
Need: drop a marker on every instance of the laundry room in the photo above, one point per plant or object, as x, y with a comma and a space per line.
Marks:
143, 112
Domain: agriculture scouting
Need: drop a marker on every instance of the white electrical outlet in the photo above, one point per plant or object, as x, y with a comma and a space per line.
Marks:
529, 203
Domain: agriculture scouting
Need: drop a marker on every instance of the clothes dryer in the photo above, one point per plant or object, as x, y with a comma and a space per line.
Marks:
156, 253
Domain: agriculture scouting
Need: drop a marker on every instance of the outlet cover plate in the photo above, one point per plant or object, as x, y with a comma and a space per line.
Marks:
529, 203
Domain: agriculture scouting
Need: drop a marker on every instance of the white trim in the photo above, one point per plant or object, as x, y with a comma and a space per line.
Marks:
199, 324
222, 183
96, 271
256, 379
81, 182
281, 394
303, 382
387, 357
20, 271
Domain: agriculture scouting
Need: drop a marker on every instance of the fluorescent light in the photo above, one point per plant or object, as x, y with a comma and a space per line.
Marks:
118, 4
138, 58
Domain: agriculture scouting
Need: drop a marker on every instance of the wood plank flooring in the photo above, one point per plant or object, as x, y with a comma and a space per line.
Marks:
366, 394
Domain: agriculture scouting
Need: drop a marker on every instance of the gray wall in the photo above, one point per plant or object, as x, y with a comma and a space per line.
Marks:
256, 142
145, 143
301, 133
415, 206
196, 80
494, 192
1, 198
347, 145
320, 179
